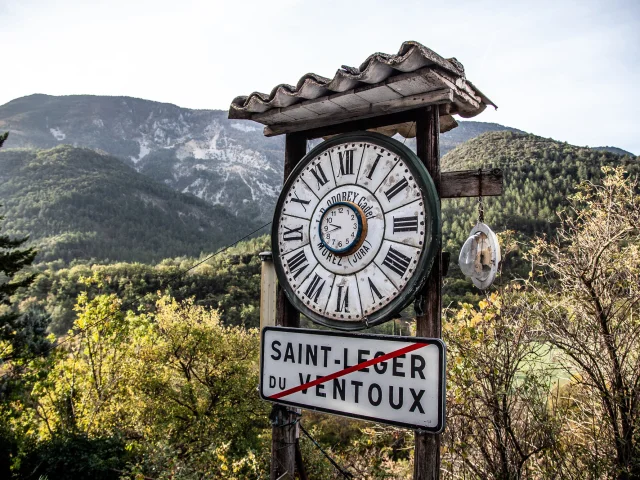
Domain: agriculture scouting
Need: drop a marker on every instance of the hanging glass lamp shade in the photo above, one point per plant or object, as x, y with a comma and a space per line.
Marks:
480, 256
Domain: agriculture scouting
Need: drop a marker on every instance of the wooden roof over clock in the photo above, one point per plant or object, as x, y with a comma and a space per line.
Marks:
415, 77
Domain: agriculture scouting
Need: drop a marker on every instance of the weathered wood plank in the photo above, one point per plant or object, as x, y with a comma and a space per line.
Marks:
383, 122
391, 106
283, 433
361, 124
467, 183
298, 112
375, 94
274, 115
268, 291
415, 82
349, 101
426, 465
323, 107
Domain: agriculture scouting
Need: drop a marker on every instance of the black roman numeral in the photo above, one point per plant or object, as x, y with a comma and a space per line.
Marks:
313, 290
346, 162
396, 189
405, 224
396, 261
373, 167
343, 303
320, 176
292, 234
300, 201
374, 290
297, 263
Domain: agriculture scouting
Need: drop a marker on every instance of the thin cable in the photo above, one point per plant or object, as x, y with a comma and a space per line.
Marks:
344, 472
124, 305
180, 274
410, 128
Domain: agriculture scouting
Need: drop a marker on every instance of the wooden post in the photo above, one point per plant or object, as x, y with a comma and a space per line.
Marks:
268, 283
429, 301
284, 431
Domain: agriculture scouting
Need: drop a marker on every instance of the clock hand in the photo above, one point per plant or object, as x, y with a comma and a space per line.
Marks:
335, 227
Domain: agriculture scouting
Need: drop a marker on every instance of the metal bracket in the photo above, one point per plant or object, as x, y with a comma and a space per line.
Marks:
266, 256
278, 414
419, 304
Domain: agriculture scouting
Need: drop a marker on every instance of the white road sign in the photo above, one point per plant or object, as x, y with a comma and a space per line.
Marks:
387, 379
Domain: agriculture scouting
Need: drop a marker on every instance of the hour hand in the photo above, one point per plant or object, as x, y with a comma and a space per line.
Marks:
335, 227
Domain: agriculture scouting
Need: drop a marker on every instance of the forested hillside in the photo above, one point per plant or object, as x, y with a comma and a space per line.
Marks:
75, 203
229, 282
539, 175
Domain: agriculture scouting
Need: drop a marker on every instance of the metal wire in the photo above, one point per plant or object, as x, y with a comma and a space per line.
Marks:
344, 472
411, 128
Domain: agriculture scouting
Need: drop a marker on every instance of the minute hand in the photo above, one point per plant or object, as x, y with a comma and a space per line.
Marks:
335, 227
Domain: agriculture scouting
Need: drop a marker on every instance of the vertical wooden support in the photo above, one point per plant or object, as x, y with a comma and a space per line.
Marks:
284, 438
268, 284
429, 322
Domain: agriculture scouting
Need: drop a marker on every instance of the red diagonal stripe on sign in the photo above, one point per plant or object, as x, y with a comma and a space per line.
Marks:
346, 371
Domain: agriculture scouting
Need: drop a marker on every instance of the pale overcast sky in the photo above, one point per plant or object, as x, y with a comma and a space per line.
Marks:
568, 70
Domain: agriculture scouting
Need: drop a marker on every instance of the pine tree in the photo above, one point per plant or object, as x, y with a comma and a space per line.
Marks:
12, 260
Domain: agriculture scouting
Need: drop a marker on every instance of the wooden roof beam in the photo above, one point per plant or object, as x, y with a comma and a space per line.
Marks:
437, 97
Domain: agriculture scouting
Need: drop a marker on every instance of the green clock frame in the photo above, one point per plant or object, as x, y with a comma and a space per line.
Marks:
433, 235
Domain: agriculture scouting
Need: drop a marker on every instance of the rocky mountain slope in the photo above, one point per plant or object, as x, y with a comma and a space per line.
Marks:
224, 162
76, 203
193, 151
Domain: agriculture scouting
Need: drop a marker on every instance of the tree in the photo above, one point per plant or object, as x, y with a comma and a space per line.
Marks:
501, 418
20, 336
175, 388
13, 260
589, 295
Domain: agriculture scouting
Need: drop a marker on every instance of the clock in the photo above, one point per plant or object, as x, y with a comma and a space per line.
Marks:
356, 230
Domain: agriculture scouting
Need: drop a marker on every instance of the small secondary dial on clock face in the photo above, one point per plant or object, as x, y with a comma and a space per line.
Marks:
355, 230
343, 228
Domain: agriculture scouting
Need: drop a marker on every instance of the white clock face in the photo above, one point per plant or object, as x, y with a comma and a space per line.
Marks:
353, 226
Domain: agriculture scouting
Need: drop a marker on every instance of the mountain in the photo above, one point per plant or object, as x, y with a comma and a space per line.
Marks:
616, 150
539, 175
468, 130
224, 162
78, 203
